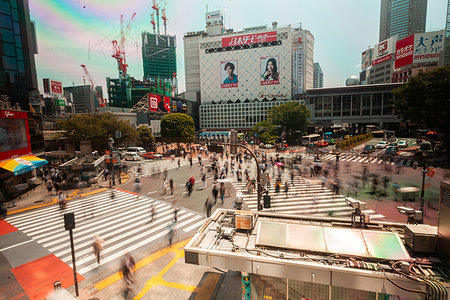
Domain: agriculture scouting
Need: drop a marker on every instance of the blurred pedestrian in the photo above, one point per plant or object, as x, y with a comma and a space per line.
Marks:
208, 206
215, 192
396, 187
171, 185
171, 232
98, 247
222, 192
176, 209
153, 212
179, 163
286, 188
3, 210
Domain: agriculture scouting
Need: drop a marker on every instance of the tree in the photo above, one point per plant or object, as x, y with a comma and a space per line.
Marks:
177, 128
425, 99
97, 128
145, 138
265, 131
292, 118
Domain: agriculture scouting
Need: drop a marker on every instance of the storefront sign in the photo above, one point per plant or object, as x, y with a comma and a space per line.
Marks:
249, 39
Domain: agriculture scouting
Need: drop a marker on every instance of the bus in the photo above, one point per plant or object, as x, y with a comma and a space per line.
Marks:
311, 139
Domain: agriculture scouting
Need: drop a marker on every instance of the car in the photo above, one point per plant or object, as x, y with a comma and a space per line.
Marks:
392, 144
403, 144
321, 143
152, 155
139, 150
268, 146
381, 145
391, 151
368, 149
130, 156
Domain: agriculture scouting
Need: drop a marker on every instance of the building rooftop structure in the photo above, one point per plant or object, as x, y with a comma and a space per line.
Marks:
338, 253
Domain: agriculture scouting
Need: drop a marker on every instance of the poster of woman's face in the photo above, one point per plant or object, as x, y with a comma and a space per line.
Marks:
229, 73
269, 70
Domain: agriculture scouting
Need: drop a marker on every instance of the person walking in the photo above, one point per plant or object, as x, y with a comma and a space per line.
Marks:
215, 193
153, 212
171, 232
179, 163
337, 158
208, 206
3, 210
222, 192
171, 185
204, 180
286, 188
190, 184
98, 247
165, 186
176, 209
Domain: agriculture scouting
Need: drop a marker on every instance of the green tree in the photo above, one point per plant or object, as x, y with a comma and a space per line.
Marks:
265, 131
292, 118
145, 138
177, 128
425, 99
97, 128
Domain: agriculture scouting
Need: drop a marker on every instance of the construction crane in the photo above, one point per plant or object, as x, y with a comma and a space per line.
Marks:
152, 20
101, 102
163, 16
156, 8
119, 47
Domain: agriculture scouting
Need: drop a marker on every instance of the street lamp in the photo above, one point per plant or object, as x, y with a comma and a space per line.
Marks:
111, 178
425, 148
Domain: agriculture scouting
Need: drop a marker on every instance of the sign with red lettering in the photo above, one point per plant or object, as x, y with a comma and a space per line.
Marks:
404, 52
153, 99
249, 39
56, 87
382, 59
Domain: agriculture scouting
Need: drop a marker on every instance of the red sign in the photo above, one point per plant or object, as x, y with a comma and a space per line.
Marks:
15, 137
7, 114
167, 103
56, 87
404, 52
382, 59
249, 39
159, 103
154, 101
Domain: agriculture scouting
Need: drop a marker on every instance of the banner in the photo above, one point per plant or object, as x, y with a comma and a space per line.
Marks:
229, 73
269, 70
366, 59
249, 39
383, 51
56, 87
298, 70
154, 101
428, 46
404, 52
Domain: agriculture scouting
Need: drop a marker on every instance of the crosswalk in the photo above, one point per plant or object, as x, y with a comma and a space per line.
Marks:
305, 197
397, 161
123, 223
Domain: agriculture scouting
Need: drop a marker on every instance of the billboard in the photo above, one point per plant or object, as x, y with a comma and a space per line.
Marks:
159, 103
52, 86
213, 16
229, 73
383, 51
269, 70
270, 36
14, 135
297, 62
404, 51
428, 46
366, 59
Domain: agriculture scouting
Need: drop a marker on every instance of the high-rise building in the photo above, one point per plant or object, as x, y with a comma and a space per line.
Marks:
84, 98
402, 18
18, 79
159, 55
318, 76
447, 37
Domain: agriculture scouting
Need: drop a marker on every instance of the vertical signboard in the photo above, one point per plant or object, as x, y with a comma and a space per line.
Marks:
269, 70
298, 70
366, 59
229, 73
404, 51
153, 99
428, 46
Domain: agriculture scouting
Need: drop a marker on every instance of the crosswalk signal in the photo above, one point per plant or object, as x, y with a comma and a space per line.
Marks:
69, 221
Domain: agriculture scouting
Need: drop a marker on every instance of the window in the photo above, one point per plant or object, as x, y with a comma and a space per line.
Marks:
5, 21
9, 49
16, 27
376, 104
356, 105
18, 41
7, 35
346, 102
337, 106
327, 106
366, 104
10, 63
4, 8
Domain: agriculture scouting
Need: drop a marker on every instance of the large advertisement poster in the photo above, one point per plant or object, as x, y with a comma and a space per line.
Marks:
229, 73
366, 59
427, 46
269, 70
14, 137
404, 51
383, 51
159, 103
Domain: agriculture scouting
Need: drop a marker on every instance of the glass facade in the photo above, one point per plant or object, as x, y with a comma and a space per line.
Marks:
234, 115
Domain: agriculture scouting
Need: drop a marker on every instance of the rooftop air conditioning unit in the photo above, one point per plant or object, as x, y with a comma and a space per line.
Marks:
421, 238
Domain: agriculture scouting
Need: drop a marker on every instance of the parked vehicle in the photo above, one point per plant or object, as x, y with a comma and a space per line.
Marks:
381, 145
139, 150
152, 155
403, 144
130, 156
391, 151
368, 149
392, 144
268, 146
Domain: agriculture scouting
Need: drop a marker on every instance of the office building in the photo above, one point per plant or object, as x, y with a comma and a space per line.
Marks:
18, 79
447, 37
252, 69
402, 18
318, 76
84, 98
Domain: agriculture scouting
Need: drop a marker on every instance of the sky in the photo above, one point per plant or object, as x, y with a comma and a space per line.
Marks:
71, 32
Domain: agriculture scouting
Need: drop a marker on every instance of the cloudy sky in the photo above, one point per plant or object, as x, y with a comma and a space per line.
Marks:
72, 32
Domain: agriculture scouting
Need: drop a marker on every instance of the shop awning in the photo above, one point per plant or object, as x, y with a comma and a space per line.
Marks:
22, 164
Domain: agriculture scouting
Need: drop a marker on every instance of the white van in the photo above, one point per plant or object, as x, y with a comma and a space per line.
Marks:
132, 156
138, 150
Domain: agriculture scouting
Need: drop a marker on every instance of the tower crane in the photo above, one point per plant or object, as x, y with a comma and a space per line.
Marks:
152, 20
156, 8
101, 102
163, 16
119, 47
